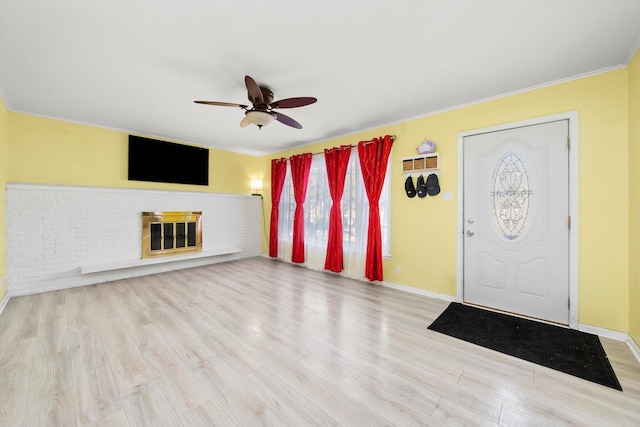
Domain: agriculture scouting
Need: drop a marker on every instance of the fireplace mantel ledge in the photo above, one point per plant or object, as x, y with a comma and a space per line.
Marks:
97, 268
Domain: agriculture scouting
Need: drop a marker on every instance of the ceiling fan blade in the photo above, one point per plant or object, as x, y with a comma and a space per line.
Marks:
255, 94
222, 104
300, 101
245, 122
286, 120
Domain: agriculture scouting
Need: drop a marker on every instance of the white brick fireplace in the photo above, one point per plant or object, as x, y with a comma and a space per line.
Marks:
62, 236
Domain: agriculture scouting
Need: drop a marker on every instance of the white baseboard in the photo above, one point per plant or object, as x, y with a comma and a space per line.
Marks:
614, 335
403, 288
602, 332
633, 346
4, 302
417, 291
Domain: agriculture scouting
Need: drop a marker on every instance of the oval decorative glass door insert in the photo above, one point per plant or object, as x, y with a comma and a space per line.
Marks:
511, 196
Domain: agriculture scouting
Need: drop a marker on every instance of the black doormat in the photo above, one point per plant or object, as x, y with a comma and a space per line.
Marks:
566, 350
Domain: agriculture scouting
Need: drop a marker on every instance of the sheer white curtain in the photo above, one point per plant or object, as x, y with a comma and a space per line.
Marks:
317, 206
285, 217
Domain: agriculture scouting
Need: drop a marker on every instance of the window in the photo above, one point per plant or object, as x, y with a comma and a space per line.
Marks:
511, 196
317, 207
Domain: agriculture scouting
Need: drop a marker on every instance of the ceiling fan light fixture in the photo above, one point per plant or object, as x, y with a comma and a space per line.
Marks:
260, 118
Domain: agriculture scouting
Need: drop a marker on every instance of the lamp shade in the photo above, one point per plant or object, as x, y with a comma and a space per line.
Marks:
259, 118
256, 184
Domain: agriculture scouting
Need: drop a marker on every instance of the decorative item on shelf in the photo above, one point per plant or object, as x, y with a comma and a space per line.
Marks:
256, 187
424, 164
426, 147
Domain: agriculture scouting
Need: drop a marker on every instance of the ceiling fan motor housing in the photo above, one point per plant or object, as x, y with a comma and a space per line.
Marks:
267, 96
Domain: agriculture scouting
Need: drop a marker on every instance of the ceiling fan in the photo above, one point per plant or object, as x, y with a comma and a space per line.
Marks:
262, 111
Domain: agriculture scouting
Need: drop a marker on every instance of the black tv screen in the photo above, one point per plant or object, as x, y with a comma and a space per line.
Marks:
160, 161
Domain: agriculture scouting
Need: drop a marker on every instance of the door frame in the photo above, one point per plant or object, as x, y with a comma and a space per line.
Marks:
572, 117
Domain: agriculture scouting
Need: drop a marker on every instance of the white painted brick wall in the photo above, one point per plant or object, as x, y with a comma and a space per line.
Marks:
53, 230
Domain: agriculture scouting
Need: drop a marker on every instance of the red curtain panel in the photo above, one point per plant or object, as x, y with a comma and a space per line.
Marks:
373, 162
278, 173
300, 167
337, 161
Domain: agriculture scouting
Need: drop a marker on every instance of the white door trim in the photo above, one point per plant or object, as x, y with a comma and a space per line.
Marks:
572, 117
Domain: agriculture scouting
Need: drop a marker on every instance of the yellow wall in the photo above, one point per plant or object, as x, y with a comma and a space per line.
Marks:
424, 230
4, 166
634, 197
47, 151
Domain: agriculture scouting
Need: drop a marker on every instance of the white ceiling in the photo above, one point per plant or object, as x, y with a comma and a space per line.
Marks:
137, 66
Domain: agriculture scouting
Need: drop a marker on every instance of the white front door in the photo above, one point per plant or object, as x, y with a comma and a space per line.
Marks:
516, 220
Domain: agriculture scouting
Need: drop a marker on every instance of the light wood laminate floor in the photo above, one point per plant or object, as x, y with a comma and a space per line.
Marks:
261, 342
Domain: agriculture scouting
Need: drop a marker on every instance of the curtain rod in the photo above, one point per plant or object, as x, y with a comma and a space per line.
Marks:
393, 137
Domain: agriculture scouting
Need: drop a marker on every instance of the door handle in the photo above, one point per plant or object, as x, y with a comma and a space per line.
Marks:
470, 233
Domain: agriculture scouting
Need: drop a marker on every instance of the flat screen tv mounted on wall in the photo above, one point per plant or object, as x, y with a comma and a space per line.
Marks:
160, 161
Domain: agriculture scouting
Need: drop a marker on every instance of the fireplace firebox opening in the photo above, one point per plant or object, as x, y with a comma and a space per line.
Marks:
171, 233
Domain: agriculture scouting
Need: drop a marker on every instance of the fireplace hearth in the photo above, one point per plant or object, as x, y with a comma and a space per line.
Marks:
171, 233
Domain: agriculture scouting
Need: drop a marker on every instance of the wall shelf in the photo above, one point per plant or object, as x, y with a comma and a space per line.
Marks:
96, 268
424, 164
